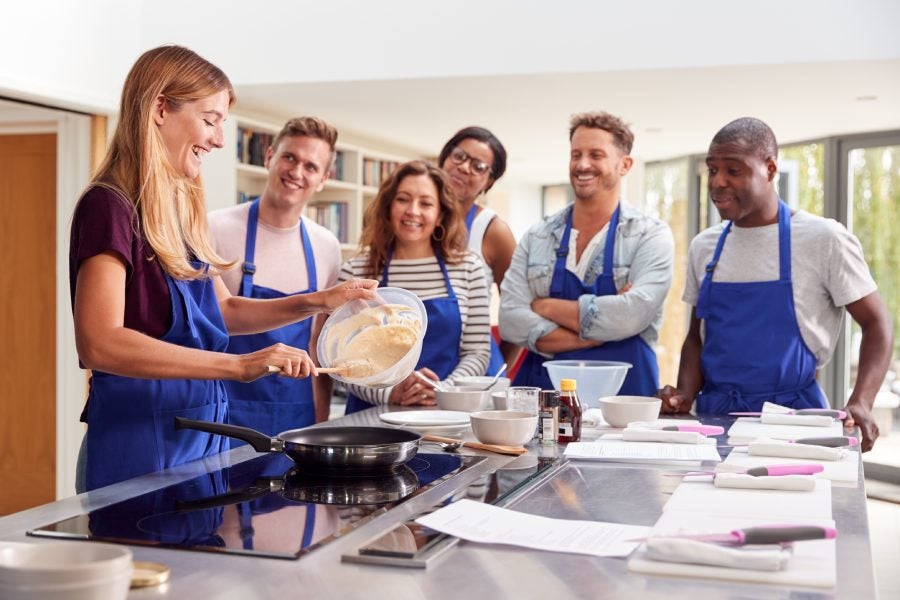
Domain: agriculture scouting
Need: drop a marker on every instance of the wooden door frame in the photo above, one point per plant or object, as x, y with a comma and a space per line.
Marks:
73, 142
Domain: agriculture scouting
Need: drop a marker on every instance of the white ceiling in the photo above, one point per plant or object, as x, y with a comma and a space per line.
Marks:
672, 111
411, 73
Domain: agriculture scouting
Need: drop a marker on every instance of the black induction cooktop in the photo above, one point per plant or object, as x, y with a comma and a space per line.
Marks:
265, 506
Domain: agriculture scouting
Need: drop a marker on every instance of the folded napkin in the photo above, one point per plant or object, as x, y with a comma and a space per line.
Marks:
808, 420
756, 558
637, 434
789, 450
794, 483
592, 418
771, 407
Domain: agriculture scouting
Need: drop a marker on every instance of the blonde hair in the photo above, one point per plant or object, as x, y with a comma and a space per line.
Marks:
378, 235
171, 211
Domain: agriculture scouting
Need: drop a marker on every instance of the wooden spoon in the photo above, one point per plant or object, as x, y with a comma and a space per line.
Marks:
514, 450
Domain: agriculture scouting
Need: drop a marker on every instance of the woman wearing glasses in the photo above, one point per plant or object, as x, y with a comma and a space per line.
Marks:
414, 238
474, 159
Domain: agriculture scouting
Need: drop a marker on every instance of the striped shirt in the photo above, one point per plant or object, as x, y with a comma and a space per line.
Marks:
423, 277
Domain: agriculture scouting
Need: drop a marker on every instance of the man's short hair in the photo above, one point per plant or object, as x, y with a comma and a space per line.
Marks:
620, 131
751, 132
313, 127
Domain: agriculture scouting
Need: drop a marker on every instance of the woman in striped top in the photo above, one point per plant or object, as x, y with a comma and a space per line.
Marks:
415, 238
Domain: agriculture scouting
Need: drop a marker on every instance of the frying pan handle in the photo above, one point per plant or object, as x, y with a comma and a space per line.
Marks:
260, 441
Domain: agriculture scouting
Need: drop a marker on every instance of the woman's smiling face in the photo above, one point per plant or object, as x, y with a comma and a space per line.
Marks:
415, 211
191, 131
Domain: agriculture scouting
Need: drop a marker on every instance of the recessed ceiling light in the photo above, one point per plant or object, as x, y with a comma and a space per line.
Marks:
868, 98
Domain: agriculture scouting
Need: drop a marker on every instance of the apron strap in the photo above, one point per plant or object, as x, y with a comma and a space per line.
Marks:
309, 526
703, 296
562, 252
245, 516
313, 280
784, 241
470, 217
784, 257
249, 268
387, 263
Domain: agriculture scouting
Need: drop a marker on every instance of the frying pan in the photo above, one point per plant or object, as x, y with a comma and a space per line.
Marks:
329, 450
317, 489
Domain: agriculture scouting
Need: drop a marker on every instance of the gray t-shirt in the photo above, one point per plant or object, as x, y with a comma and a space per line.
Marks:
827, 268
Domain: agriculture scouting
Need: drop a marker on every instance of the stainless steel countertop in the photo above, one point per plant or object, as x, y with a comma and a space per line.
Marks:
590, 491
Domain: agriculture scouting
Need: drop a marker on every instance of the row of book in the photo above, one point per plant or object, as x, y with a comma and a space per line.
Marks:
376, 171
332, 216
337, 169
252, 145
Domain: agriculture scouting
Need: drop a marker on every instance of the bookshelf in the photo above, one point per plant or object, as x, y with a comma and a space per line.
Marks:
235, 174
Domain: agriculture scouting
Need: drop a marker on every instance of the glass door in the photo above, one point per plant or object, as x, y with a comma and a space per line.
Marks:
873, 211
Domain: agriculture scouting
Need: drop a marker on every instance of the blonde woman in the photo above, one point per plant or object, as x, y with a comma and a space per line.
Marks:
415, 238
152, 316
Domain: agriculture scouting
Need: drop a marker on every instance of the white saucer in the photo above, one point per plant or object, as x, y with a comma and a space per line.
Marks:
426, 418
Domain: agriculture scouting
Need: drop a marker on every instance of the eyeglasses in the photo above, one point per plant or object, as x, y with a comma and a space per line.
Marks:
479, 167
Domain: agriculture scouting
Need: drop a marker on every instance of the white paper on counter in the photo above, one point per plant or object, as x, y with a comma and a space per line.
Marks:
700, 495
750, 428
654, 452
813, 564
842, 473
488, 524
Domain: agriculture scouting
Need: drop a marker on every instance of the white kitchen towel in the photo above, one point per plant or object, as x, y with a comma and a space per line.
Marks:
638, 434
794, 483
789, 450
805, 420
680, 550
771, 407
592, 418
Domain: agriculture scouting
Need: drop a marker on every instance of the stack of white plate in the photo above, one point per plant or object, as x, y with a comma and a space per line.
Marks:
435, 422
70, 570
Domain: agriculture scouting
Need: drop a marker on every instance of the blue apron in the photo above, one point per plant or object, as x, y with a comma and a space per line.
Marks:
444, 325
496, 360
130, 421
271, 404
643, 377
753, 351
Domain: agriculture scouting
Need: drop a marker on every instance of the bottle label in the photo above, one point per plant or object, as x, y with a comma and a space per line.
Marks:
547, 432
565, 429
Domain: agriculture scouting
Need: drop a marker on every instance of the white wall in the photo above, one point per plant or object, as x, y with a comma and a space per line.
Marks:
68, 54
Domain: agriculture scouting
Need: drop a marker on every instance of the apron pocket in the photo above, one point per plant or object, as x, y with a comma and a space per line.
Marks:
178, 447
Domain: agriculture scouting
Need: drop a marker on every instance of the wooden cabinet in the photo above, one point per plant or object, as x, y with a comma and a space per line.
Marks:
235, 174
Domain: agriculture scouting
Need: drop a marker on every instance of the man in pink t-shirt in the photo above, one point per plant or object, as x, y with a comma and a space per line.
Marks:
281, 252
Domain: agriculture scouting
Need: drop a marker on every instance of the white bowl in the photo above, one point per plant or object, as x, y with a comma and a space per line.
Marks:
480, 383
114, 587
328, 347
62, 563
462, 399
619, 411
504, 427
594, 378
499, 400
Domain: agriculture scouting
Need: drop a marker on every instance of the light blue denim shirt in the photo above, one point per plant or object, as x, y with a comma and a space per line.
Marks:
644, 253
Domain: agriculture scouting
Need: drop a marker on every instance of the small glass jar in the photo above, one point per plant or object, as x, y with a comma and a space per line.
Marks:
548, 418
